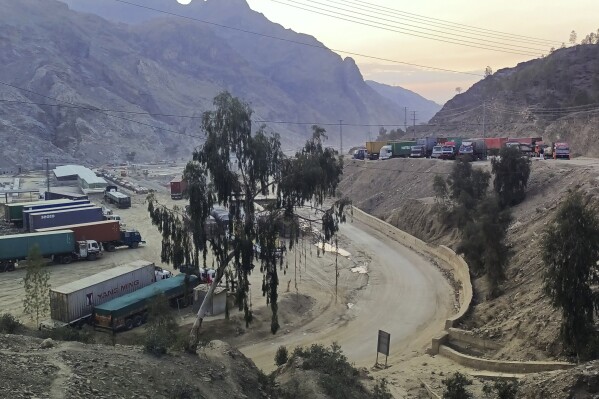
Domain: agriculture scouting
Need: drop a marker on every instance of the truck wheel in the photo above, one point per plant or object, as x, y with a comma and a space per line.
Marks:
91, 256
66, 260
137, 321
128, 324
110, 248
134, 245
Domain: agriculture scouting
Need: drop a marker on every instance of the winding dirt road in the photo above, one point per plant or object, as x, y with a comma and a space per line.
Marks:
405, 296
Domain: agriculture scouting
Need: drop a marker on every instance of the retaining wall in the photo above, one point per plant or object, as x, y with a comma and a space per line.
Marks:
443, 253
455, 334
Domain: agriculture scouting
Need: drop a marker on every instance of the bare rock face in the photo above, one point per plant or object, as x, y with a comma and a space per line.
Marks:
95, 89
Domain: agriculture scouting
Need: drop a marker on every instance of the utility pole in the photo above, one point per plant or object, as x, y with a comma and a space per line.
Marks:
341, 137
414, 121
405, 119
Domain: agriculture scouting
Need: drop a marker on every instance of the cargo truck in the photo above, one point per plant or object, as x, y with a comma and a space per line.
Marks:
448, 151
73, 303
178, 186
473, 149
106, 232
60, 246
401, 149
427, 144
374, 148
64, 217
131, 310
113, 196
495, 144
561, 150
13, 212
525, 144
62, 207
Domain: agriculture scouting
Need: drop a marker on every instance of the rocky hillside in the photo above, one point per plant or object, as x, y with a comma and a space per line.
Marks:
165, 66
556, 97
406, 98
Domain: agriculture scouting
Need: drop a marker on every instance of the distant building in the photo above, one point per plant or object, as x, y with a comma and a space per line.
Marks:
88, 180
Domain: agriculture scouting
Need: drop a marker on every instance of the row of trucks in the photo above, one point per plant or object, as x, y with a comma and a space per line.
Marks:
454, 147
62, 234
116, 298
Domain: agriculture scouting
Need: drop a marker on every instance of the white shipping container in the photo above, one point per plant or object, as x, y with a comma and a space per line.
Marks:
74, 301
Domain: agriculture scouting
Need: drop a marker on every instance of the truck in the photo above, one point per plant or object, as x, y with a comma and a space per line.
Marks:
418, 151
113, 196
60, 246
73, 303
64, 217
427, 143
106, 232
28, 212
495, 144
561, 150
374, 148
178, 186
449, 150
401, 149
473, 149
525, 144
13, 212
131, 310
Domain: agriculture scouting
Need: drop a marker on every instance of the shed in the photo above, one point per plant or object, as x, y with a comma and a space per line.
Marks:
218, 303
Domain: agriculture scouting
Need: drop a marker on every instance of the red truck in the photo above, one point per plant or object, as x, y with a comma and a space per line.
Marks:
495, 144
561, 150
106, 232
178, 186
526, 144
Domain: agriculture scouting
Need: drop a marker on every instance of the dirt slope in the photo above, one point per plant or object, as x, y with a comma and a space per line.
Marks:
400, 192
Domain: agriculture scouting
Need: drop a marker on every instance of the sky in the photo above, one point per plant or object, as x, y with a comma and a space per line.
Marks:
549, 20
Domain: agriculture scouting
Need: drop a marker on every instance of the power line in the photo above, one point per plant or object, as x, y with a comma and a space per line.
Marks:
298, 42
499, 46
414, 33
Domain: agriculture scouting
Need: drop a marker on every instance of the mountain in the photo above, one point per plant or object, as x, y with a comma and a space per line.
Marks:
556, 97
97, 89
424, 108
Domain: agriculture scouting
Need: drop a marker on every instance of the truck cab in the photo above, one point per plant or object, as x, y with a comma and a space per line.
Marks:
88, 249
437, 151
418, 151
561, 150
386, 152
448, 150
131, 238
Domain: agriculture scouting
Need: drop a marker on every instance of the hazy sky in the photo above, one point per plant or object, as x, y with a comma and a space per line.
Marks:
551, 20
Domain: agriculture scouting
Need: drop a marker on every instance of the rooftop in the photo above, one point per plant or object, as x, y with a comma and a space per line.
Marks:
77, 170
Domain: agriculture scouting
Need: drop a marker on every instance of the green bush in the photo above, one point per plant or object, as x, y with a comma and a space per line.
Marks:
381, 391
9, 324
501, 390
161, 331
68, 334
455, 387
281, 356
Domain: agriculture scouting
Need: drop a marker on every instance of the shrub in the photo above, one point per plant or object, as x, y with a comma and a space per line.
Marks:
68, 334
9, 324
161, 332
455, 387
281, 356
381, 391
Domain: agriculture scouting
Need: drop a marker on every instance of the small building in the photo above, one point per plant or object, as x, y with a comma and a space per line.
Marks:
88, 180
218, 303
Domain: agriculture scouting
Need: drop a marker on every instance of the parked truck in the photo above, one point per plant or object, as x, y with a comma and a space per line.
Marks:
561, 150
64, 217
13, 212
473, 149
401, 149
60, 246
113, 196
495, 144
374, 148
73, 303
28, 212
427, 144
525, 144
178, 186
449, 150
131, 310
106, 232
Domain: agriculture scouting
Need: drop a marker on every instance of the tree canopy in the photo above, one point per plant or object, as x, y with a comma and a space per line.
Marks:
511, 171
231, 169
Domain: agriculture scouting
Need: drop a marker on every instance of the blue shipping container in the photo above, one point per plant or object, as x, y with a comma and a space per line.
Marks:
27, 213
64, 217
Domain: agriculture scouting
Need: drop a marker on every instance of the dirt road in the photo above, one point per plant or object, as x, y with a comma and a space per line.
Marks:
405, 296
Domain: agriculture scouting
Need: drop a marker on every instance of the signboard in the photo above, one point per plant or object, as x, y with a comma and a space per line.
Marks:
383, 345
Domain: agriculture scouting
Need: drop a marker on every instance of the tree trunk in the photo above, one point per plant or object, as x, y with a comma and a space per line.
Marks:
194, 334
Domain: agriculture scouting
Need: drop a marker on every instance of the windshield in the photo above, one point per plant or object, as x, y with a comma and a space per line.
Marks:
447, 149
437, 149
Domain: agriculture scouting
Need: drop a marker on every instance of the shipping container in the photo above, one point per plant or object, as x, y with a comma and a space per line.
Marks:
102, 231
401, 149
130, 310
13, 213
374, 148
60, 207
64, 217
75, 301
495, 143
178, 186
17, 246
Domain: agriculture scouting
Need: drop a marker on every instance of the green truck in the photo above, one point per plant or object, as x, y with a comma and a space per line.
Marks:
131, 310
401, 149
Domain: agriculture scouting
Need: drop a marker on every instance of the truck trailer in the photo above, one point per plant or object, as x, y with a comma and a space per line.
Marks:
64, 217
178, 186
73, 303
401, 149
131, 310
13, 212
374, 148
60, 246
62, 207
113, 196
106, 232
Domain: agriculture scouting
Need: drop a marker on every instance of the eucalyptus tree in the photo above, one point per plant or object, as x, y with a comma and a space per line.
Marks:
231, 169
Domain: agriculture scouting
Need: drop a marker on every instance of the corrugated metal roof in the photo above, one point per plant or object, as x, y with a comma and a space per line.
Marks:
100, 277
77, 170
